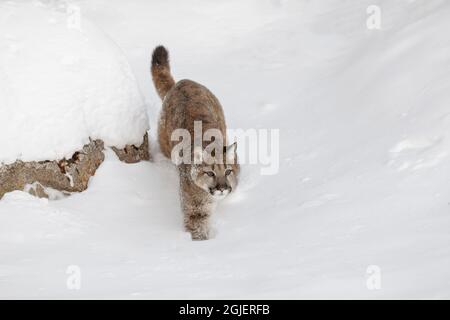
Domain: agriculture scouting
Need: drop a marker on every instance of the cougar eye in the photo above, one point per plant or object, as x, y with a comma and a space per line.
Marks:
228, 172
210, 173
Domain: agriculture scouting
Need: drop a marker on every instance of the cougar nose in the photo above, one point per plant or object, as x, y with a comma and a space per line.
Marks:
222, 188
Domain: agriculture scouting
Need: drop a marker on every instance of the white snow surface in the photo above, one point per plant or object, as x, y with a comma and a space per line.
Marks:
62, 81
364, 171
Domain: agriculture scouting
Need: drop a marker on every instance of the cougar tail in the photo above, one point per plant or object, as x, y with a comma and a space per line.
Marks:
161, 71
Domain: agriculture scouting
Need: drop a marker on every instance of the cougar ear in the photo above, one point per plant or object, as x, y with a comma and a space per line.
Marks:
198, 155
230, 152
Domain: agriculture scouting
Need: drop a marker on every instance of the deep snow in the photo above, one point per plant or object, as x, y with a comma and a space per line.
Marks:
364, 172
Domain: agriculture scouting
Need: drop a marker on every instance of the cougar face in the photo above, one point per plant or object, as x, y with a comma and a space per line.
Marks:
218, 179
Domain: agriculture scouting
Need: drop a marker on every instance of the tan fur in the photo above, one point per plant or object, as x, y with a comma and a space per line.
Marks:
161, 71
183, 103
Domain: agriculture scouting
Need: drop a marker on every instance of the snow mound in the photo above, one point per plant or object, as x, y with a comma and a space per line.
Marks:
62, 81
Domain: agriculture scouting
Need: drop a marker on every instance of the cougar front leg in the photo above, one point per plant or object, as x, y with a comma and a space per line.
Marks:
196, 221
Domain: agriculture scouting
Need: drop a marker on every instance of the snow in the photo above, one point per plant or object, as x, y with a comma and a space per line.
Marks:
363, 182
62, 82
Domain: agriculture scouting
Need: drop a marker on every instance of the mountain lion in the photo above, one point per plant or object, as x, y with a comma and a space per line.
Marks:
202, 183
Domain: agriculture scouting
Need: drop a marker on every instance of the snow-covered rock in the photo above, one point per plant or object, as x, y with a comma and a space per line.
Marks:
69, 175
62, 83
